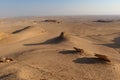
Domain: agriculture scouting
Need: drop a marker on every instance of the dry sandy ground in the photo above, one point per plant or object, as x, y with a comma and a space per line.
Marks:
38, 54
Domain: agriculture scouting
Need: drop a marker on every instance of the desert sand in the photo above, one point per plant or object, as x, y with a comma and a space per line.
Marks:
60, 48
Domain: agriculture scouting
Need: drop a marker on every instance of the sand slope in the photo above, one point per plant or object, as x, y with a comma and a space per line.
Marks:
40, 53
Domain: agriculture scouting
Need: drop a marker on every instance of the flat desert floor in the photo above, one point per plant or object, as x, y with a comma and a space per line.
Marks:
42, 48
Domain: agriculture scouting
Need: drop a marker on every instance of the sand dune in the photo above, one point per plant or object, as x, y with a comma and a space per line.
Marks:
64, 51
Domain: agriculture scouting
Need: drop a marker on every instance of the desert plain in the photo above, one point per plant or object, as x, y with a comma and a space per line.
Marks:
44, 48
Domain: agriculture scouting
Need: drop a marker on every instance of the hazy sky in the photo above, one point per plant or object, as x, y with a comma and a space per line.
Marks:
10, 8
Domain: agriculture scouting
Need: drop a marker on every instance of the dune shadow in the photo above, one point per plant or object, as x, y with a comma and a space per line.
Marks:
50, 41
89, 61
7, 76
115, 44
55, 40
103, 21
51, 20
32, 44
68, 52
20, 30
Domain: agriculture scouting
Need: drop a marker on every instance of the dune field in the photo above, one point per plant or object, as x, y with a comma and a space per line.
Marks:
60, 48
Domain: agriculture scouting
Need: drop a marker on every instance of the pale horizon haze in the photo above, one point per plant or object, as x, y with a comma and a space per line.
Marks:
14, 8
